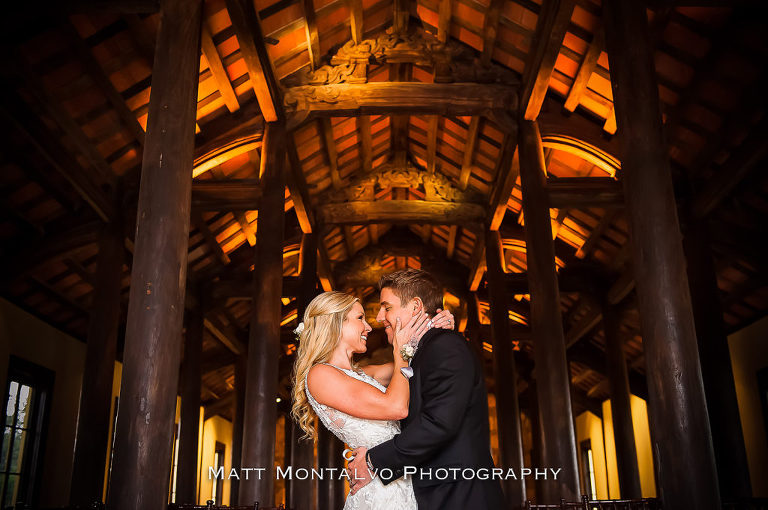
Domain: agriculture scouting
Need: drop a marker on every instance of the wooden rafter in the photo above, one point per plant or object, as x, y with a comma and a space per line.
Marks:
490, 30
450, 248
586, 68
603, 225
444, 21
326, 129
356, 20
297, 188
226, 195
96, 73
313, 36
209, 237
477, 264
217, 69
506, 177
554, 17
251, 39
46, 143
366, 147
469, 151
432, 142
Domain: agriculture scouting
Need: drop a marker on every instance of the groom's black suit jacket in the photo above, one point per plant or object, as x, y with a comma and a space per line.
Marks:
446, 427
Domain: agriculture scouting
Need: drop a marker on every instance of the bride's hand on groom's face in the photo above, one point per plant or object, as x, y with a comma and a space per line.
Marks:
412, 331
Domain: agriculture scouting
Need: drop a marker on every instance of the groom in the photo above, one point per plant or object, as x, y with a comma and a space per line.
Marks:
447, 424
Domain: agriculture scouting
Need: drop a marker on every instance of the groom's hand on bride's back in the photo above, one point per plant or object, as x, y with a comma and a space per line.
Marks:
357, 470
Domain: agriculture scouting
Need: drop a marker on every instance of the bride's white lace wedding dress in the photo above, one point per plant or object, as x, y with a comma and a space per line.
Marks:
368, 433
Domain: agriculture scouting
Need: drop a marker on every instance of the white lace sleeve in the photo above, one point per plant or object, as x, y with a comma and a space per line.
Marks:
330, 417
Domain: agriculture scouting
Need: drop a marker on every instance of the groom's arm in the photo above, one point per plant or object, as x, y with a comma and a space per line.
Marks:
446, 389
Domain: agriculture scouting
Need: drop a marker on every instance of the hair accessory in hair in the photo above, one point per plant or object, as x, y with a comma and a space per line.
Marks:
299, 329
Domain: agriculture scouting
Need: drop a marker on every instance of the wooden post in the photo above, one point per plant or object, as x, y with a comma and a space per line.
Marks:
621, 408
504, 372
302, 451
677, 410
96, 396
288, 434
260, 414
716, 368
329, 449
142, 460
237, 425
191, 382
558, 439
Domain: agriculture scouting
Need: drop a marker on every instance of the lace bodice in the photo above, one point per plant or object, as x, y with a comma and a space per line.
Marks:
368, 433
350, 429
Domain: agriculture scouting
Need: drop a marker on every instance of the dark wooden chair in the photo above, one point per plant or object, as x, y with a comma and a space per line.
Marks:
604, 504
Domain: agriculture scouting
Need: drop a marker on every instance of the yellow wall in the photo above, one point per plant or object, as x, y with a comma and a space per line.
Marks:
642, 447
215, 429
749, 353
27, 337
589, 426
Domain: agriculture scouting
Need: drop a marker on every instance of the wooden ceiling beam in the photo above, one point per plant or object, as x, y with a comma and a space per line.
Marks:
229, 336
553, 21
401, 212
506, 176
356, 20
210, 239
401, 16
444, 21
490, 30
432, 139
450, 248
313, 36
586, 68
743, 160
326, 128
584, 192
217, 69
469, 151
85, 183
391, 98
97, 74
366, 144
226, 195
297, 188
477, 263
251, 39
593, 357
597, 233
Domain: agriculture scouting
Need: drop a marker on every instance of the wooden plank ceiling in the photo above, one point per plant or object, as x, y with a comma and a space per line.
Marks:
74, 105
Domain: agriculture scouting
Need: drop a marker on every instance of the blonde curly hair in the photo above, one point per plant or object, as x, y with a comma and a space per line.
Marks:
323, 320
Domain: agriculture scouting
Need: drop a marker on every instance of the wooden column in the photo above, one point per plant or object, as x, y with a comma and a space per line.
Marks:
716, 368
191, 382
290, 424
264, 337
96, 396
621, 408
558, 439
237, 425
677, 410
329, 449
504, 372
142, 460
303, 452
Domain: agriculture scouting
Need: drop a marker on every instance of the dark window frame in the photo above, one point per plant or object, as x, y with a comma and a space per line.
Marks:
42, 381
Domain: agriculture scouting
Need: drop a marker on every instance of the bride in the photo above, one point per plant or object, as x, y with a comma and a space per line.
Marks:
353, 403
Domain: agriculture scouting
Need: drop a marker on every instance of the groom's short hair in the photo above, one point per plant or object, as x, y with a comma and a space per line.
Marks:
410, 283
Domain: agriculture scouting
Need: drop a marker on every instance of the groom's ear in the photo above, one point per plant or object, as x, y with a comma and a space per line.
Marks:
418, 305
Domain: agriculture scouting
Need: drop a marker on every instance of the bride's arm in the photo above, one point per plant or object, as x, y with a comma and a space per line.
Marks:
335, 389
383, 372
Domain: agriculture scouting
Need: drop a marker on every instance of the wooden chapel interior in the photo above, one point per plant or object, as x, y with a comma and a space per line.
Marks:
337, 140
